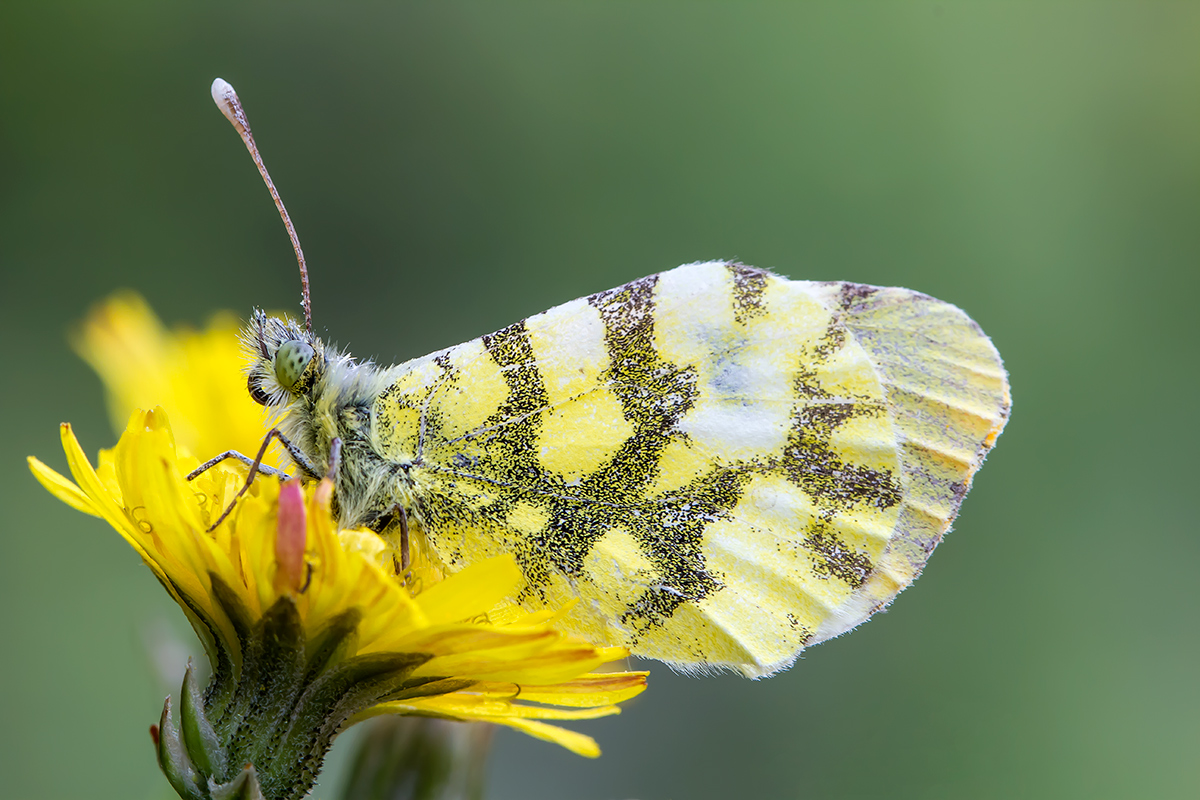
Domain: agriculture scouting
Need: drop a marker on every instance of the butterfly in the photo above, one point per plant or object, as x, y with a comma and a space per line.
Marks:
714, 466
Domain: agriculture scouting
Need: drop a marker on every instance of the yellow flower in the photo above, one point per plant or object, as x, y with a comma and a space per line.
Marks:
308, 628
438, 654
198, 377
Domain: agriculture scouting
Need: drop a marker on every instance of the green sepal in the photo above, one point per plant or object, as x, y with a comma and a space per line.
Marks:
174, 761
334, 643
243, 787
224, 661
199, 738
427, 687
226, 680
336, 696
270, 680
278, 707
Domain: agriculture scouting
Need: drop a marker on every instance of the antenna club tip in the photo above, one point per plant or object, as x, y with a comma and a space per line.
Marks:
225, 98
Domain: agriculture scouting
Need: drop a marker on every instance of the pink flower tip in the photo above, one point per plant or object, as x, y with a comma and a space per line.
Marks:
290, 538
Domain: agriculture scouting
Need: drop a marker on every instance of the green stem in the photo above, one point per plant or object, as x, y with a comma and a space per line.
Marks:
414, 758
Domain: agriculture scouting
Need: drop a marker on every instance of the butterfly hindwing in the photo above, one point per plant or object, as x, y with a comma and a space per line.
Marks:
719, 465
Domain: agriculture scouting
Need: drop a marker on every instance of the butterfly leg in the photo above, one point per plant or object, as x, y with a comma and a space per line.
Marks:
382, 522
295, 452
405, 559
256, 466
247, 460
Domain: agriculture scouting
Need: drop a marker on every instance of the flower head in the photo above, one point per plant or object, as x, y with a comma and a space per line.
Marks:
331, 637
309, 629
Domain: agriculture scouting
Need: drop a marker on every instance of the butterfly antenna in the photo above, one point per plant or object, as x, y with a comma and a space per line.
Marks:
227, 100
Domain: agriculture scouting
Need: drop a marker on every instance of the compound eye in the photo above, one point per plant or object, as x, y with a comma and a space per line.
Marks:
256, 391
291, 359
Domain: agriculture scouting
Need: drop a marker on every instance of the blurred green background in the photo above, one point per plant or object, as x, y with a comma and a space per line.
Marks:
452, 167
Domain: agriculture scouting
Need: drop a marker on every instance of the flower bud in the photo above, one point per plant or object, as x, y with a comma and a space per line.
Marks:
290, 536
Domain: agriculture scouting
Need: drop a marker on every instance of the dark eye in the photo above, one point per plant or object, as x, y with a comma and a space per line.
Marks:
256, 391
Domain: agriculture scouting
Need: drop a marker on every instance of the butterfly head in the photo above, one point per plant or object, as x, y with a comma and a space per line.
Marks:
286, 360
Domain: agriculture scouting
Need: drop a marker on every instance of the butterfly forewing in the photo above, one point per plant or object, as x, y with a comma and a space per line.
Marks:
720, 466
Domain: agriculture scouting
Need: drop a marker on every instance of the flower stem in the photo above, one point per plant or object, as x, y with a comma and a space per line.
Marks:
413, 758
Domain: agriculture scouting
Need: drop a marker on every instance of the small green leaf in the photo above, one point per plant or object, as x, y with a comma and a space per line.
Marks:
243, 787
199, 738
174, 761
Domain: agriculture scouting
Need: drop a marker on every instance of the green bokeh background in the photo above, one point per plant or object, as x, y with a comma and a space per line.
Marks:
453, 167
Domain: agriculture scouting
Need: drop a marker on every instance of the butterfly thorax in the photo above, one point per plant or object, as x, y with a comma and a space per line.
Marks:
331, 396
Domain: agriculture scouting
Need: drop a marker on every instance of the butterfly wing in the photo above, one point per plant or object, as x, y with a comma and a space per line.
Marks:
719, 465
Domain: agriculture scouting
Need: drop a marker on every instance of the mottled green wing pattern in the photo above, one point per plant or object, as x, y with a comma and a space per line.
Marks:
716, 465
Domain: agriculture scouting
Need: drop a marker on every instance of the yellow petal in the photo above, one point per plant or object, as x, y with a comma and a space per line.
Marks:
600, 689
85, 477
508, 614
463, 638
577, 743
552, 665
608, 654
61, 488
467, 705
364, 541
471, 592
